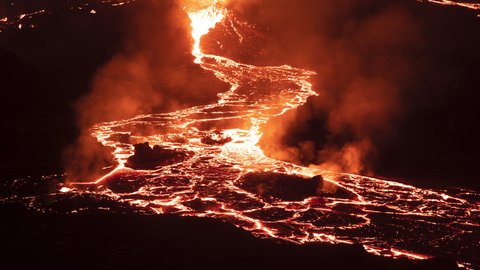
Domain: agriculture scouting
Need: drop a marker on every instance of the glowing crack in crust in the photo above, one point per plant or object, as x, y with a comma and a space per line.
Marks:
388, 218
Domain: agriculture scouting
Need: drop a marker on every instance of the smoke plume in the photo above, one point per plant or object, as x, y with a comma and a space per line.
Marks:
364, 54
152, 72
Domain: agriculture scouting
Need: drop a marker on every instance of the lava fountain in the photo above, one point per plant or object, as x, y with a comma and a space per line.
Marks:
203, 21
207, 163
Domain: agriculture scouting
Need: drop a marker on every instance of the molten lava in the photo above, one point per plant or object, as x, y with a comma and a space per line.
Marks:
214, 152
202, 21
475, 6
387, 218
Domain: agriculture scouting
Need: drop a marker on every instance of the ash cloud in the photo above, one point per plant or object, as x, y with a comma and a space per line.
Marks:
365, 54
152, 72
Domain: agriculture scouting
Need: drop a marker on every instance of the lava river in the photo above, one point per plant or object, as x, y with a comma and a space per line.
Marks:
209, 165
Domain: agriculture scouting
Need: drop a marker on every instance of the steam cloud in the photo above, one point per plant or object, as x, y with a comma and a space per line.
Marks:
365, 56
153, 72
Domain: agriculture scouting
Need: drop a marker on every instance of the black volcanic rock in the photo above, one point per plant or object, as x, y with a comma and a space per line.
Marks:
126, 182
146, 157
283, 186
290, 187
134, 241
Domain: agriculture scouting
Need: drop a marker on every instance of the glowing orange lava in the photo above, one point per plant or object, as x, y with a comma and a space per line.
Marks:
474, 6
202, 21
208, 183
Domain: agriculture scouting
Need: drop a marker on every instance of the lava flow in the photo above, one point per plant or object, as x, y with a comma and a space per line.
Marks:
207, 163
474, 6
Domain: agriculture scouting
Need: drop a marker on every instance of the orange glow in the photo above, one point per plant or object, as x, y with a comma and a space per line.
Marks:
475, 6
196, 5
210, 177
203, 21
